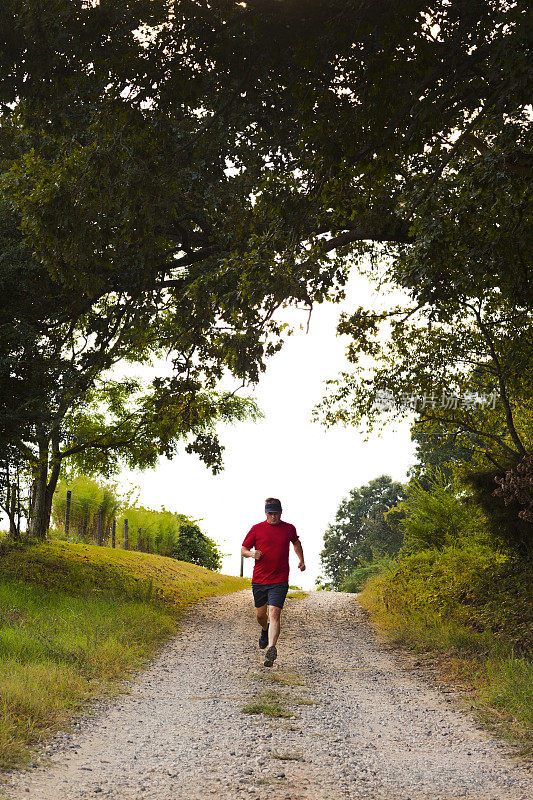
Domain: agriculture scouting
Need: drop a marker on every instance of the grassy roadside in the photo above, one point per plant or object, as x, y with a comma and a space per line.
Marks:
473, 620
77, 619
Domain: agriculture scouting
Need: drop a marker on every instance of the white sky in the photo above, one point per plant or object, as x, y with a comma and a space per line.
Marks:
284, 455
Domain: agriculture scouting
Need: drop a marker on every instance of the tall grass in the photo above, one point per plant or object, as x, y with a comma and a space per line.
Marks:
75, 620
473, 608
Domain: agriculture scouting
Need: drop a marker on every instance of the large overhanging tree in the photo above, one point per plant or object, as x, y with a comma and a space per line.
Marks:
339, 120
216, 160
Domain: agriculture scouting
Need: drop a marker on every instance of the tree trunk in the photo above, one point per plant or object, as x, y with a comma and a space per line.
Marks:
55, 464
45, 485
40, 521
12, 512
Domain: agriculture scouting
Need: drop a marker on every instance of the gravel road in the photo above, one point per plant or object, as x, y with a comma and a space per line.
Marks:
360, 727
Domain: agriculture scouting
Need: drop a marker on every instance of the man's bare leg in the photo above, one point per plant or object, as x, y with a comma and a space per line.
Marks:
261, 614
274, 615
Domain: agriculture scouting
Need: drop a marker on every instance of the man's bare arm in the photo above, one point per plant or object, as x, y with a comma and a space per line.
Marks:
298, 549
251, 553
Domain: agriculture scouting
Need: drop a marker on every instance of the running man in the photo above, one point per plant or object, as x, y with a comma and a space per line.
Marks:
270, 581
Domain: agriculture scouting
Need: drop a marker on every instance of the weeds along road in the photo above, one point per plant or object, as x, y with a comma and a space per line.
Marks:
355, 725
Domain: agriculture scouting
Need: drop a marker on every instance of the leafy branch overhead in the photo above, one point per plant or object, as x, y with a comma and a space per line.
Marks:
173, 174
438, 353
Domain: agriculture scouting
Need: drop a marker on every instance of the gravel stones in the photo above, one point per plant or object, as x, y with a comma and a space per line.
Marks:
371, 731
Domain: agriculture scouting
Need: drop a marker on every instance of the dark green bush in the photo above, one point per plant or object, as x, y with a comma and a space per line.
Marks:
507, 530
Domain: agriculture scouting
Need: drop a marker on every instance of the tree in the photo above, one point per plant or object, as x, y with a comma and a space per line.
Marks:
362, 529
437, 451
463, 365
218, 160
58, 400
103, 210
389, 101
196, 547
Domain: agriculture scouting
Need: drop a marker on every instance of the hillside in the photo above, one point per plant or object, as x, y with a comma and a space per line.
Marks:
75, 620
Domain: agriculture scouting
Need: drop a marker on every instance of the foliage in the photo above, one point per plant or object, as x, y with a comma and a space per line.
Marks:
163, 532
179, 171
172, 535
456, 582
438, 517
364, 529
437, 452
75, 620
461, 366
465, 265
88, 499
358, 578
508, 531
517, 486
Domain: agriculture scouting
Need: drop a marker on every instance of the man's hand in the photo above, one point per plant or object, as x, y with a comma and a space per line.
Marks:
255, 554
298, 549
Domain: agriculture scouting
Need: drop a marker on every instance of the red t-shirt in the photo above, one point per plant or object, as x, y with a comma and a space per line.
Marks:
273, 541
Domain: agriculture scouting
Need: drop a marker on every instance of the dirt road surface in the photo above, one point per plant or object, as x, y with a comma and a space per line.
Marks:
360, 726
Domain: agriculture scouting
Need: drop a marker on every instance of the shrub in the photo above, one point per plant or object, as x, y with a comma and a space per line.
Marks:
471, 586
88, 498
508, 531
360, 575
437, 517
162, 532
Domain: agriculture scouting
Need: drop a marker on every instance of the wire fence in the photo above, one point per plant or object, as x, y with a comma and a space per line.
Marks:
102, 527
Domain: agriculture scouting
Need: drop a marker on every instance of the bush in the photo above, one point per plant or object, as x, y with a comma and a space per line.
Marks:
88, 498
471, 586
360, 575
197, 548
508, 531
172, 535
438, 517
162, 532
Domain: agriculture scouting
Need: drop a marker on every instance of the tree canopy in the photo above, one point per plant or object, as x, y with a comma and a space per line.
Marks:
173, 173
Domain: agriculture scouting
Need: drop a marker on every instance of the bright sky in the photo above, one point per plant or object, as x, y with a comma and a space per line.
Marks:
284, 455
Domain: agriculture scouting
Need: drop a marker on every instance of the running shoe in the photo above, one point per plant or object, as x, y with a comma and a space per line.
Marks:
270, 656
263, 639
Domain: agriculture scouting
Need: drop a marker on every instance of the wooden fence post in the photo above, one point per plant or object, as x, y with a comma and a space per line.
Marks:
125, 534
242, 566
67, 513
113, 531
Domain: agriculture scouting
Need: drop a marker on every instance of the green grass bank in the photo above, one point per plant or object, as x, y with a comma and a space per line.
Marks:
75, 620
471, 612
